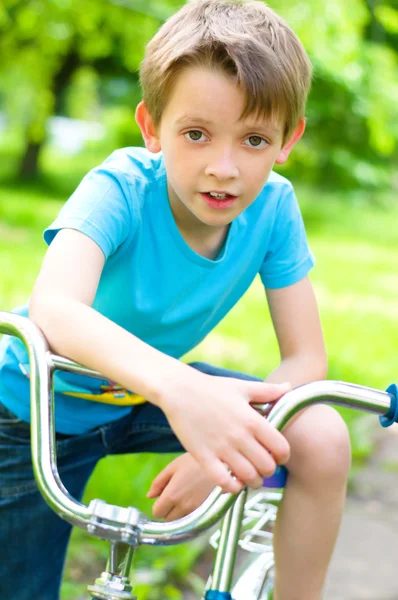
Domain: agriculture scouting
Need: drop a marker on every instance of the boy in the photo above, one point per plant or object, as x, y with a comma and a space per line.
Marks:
151, 251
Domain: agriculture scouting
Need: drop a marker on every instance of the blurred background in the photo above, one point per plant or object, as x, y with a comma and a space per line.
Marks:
68, 91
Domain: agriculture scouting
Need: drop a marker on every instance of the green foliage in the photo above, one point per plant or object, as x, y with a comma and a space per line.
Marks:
59, 57
352, 130
82, 96
122, 130
45, 44
388, 17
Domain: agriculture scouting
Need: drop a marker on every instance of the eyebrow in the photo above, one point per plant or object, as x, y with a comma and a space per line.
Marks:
252, 126
189, 118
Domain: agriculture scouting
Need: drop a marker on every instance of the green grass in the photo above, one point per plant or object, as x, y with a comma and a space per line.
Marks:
356, 282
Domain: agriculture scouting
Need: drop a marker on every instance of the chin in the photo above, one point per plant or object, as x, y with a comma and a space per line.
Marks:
220, 222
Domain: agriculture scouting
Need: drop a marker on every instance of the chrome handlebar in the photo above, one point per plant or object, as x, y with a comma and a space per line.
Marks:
129, 525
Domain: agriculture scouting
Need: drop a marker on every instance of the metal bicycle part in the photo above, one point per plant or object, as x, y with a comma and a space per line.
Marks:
103, 520
257, 523
128, 525
111, 587
224, 564
256, 578
114, 583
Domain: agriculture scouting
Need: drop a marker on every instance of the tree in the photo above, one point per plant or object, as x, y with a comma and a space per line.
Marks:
352, 129
46, 42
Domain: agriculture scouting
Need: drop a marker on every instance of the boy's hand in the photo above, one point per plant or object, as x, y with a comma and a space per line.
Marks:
180, 488
215, 423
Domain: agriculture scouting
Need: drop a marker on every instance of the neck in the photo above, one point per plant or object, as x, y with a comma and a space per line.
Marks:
208, 243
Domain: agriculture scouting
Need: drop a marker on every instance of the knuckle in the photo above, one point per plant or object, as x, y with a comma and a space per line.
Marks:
255, 423
174, 497
255, 482
189, 507
268, 467
248, 475
279, 447
231, 485
283, 453
223, 480
157, 513
234, 438
258, 482
222, 448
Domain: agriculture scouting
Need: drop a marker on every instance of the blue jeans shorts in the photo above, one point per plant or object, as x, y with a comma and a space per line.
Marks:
33, 539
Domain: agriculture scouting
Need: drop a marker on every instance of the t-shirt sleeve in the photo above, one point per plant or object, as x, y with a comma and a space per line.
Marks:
101, 207
288, 258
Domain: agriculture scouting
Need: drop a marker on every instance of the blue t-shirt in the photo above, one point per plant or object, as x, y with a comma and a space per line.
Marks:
153, 284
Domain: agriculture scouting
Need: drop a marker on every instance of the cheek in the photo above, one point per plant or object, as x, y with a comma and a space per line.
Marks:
257, 174
261, 169
183, 166
177, 173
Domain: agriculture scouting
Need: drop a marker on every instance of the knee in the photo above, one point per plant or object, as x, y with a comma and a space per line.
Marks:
320, 447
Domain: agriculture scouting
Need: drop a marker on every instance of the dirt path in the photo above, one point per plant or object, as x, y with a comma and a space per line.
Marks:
365, 561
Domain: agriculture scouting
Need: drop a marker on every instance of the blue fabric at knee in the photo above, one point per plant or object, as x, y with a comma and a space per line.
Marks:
215, 595
277, 480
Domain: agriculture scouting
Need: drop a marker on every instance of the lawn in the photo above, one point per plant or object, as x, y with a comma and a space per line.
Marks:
356, 283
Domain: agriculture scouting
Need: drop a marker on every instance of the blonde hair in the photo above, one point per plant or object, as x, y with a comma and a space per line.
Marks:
245, 40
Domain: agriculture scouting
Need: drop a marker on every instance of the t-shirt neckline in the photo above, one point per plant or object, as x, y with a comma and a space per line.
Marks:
182, 245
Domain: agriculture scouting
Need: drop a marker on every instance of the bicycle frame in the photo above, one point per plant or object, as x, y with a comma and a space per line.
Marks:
128, 526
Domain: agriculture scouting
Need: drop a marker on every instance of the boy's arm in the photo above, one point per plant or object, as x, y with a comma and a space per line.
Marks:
182, 486
199, 407
295, 317
61, 306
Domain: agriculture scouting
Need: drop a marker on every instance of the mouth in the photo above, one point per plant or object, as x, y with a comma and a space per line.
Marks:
218, 199
220, 195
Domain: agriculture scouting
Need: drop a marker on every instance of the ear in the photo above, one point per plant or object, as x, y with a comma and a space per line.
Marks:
287, 148
148, 129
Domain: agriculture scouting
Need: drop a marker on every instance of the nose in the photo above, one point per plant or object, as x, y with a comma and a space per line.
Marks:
222, 165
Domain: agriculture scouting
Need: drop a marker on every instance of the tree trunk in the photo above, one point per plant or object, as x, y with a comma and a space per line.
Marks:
29, 165
30, 161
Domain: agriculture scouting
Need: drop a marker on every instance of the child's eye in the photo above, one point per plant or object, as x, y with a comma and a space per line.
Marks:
255, 141
195, 135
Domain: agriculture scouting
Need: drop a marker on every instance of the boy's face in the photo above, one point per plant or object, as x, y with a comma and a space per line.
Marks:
216, 165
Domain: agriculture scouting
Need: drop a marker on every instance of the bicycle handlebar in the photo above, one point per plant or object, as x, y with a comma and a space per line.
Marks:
129, 525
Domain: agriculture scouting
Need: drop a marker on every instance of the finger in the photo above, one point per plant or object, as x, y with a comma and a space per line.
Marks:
163, 505
219, 474
244, 470
271, 439
186, 506
259, 457
177, 512
160, 482
260, 392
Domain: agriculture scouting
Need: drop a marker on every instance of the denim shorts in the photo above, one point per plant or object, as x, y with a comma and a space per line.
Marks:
33, 539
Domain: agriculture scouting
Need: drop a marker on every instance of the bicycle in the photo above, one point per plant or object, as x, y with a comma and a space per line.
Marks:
248, 521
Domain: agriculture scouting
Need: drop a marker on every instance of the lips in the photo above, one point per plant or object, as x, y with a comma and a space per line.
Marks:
218, 203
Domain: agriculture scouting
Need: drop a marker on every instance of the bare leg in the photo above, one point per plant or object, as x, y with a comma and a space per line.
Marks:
310, 514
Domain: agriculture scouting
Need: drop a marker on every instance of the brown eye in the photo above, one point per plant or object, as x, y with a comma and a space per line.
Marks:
255, 140
195, 135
